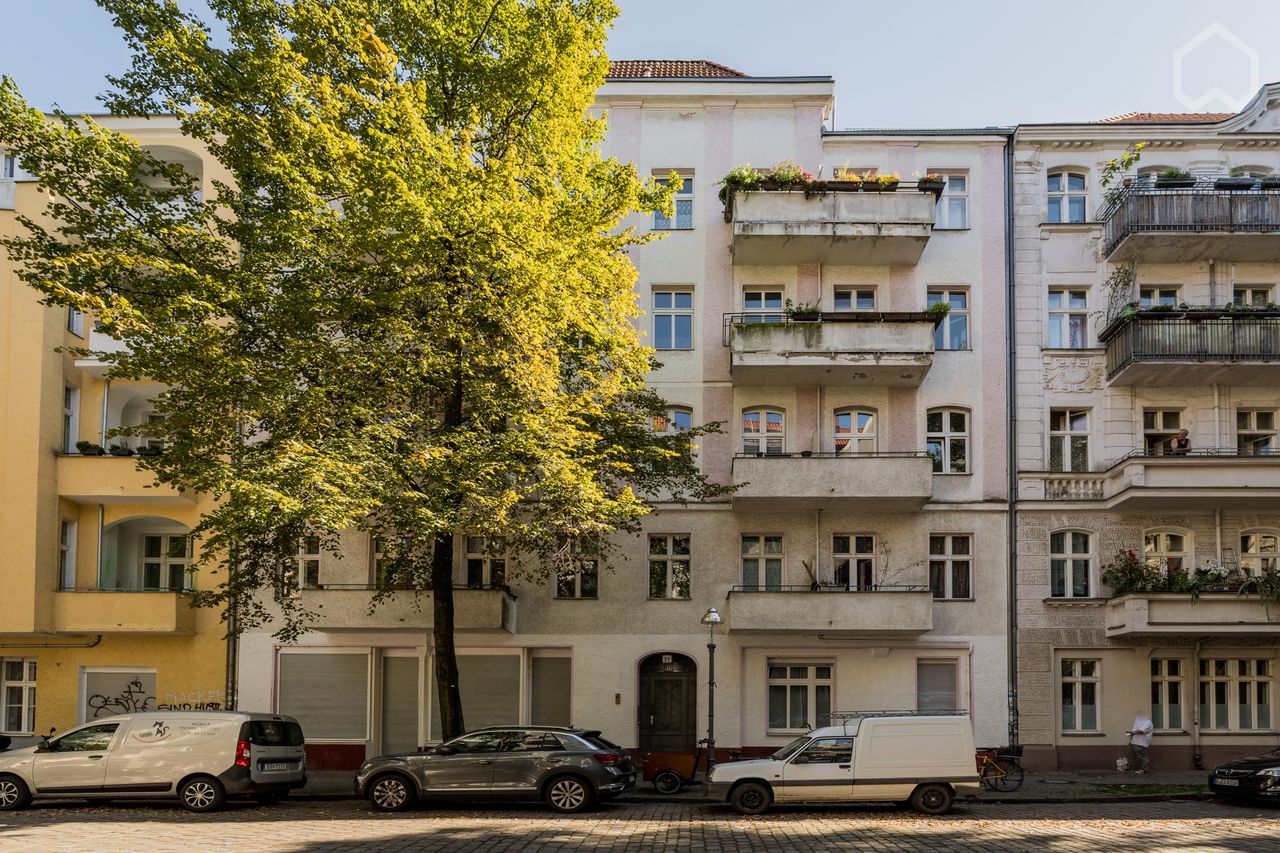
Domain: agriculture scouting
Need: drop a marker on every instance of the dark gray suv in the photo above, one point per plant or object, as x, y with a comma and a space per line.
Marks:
569, 769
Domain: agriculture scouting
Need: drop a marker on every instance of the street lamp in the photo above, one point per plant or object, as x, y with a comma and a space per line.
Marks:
711, 619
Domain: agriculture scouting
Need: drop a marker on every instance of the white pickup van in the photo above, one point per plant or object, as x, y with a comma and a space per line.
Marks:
922, 759
201, 757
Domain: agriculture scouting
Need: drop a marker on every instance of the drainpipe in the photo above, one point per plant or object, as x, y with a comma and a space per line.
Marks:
1217, 529
1217, 416
1012, 440
87, 645
1213, 283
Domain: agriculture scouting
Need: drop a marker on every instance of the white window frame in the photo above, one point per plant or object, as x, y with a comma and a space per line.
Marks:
1234, 678
947, 560
1072, 671
1256, 431
75, 321
1158, 548
856, 560
944, 334
944, 220
1156, 439
764, 312
308, 562
766, 443
571, 581
854, 297
954, 665
70, 418
670, 559
166, 562
8, 167
489, 556
684, 196
1158, 294
754, 548
1065, 195
810, 682
946, 436
1068, 562
862, 439
677, 419
1168, 679
1068, 320
670, 314
26, 688
1254, 295
1262, 554
67, 532
1065, 433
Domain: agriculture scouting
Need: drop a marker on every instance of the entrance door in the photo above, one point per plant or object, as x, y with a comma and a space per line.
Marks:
668, 703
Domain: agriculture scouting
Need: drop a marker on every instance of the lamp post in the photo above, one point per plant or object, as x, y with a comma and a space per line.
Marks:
711, 619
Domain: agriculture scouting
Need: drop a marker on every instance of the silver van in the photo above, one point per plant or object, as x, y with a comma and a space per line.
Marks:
200, 757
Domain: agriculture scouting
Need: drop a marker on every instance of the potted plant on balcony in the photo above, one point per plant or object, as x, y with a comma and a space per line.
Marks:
121, 450
1172, 179
1271, 182
931, 183
88, 448
150, 450
845, 180
785, 175
804, 312
1126, 573
1235, 182
738, 178
887, 183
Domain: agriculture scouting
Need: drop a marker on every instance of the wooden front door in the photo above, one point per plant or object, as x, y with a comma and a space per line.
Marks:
668, 704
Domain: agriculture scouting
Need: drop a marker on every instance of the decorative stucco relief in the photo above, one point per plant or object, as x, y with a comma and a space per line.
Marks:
1073, 373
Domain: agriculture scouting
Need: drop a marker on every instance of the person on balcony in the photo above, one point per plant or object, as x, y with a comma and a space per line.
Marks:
1180, 444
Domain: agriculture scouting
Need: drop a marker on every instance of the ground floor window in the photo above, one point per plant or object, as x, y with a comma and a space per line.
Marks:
799, 696
105, 692
1235, 694
327, 692
937, 685
18, 695
1079, 703
1166, 694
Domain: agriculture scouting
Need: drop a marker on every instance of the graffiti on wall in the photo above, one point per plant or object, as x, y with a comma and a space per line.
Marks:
193, 700
131, 700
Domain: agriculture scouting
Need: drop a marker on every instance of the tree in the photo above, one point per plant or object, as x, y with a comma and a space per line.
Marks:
407, 311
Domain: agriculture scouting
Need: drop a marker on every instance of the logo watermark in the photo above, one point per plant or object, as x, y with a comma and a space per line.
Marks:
1229, 56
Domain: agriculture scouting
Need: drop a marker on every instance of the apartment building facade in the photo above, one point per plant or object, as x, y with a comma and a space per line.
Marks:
1137, 317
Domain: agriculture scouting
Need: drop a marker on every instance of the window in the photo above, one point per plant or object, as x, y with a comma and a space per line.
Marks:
153, 420
761, 562
166, 562
1151, 296
1067, 193
308, 561
854, 561
581, 578
308, 683
1255, 296
391, 562
855, 431
948, 440
937, 685
486, 561
672, 319
799, 696
480, 742
762, 306
763, 432
75, 322
829, 750
669, 566
1256, 431
107, 691
855, 299
950, 566
8, 166
1167, 550
953, 331
1235, 694
684, 207
1067, 315
18, 695
676, 419
1166, 694
70, 419
67, 554
1159, 428
1070, 564
1068, 440
953, 207
1259, 552
88, 739
1080, 695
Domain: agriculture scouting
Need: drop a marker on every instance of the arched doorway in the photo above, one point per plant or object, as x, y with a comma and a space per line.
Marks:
668, 703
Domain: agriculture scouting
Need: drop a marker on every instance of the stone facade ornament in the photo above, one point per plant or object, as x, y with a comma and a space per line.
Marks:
1073, 373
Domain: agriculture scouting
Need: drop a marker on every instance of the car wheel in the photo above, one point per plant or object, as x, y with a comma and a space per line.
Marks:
569, 794
14, 794
667, 782
750, 798
390, 793
202, 794
931, 799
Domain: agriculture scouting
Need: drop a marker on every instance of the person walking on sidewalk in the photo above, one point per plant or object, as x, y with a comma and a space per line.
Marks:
1139, 741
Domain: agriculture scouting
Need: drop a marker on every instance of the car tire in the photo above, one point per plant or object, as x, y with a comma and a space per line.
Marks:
202, 794
14, 794
751, 798
667, 782
569, 794
932, 799
390, 792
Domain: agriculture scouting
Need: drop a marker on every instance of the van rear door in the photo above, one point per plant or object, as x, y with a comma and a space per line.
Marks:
276, 750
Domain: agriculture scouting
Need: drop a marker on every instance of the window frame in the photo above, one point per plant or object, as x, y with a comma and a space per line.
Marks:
1256, 561
26, 687
954, 665
855, 292
1078, 679
8, 167
1062, 318
765, 313
946, 561
761, 558
861, 570
1160, 434
946, 437
671, 315
684, 194
942, 217
166, 562
490, 557
762, 436
1152, 295
1163, 685
810, 682
1253, 434
1162, 553
943, 333
670, 421
571, 581
70, 418
68, 531
1253, 291
669, 558
1066, 439
1233, 679
1069, 557
1065, 195
855, 436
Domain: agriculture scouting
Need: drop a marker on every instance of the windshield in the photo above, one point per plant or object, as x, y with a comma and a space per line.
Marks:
790, 749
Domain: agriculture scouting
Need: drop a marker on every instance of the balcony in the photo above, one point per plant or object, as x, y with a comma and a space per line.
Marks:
864, 228
1165, 614
1155, 225
1194, 347
346, 607
868, 481
123, 611
840, 349
114, 479
887, 611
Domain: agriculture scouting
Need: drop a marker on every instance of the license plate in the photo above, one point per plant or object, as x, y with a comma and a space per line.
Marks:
1229, 782
279, 765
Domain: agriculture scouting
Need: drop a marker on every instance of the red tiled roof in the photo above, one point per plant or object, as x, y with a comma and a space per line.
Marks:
634, 68
1166, 118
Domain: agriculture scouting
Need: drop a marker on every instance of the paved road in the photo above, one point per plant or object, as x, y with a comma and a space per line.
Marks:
338, 827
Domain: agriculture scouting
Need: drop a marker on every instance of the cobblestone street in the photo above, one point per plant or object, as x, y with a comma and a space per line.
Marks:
339, 826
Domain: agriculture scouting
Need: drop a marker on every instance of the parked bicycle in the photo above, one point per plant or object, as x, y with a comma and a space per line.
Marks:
999, 771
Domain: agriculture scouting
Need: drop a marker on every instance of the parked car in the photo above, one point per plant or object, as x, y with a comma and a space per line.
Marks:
925, 760
201, 757
1257, 776
570, 769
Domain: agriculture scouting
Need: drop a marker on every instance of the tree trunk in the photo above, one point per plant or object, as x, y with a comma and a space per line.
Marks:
451, 721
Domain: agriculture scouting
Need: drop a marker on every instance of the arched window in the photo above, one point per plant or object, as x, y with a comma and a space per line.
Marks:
1068, 192
1168, 549
763, 431
1070, 564
854, 431
948, 440
674, 419
1259, 551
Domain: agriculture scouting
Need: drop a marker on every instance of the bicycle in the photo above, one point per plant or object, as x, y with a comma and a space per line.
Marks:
999, 772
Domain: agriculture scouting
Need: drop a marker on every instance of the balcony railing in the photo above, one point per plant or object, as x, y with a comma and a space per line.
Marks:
1147, 209
1231, 343
823, 586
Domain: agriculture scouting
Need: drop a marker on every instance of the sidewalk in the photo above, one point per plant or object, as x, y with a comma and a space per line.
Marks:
1060, 786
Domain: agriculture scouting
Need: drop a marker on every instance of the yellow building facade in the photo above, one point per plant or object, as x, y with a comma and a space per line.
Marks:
95, 617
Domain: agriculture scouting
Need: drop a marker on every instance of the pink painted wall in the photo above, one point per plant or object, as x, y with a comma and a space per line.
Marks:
991, 330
